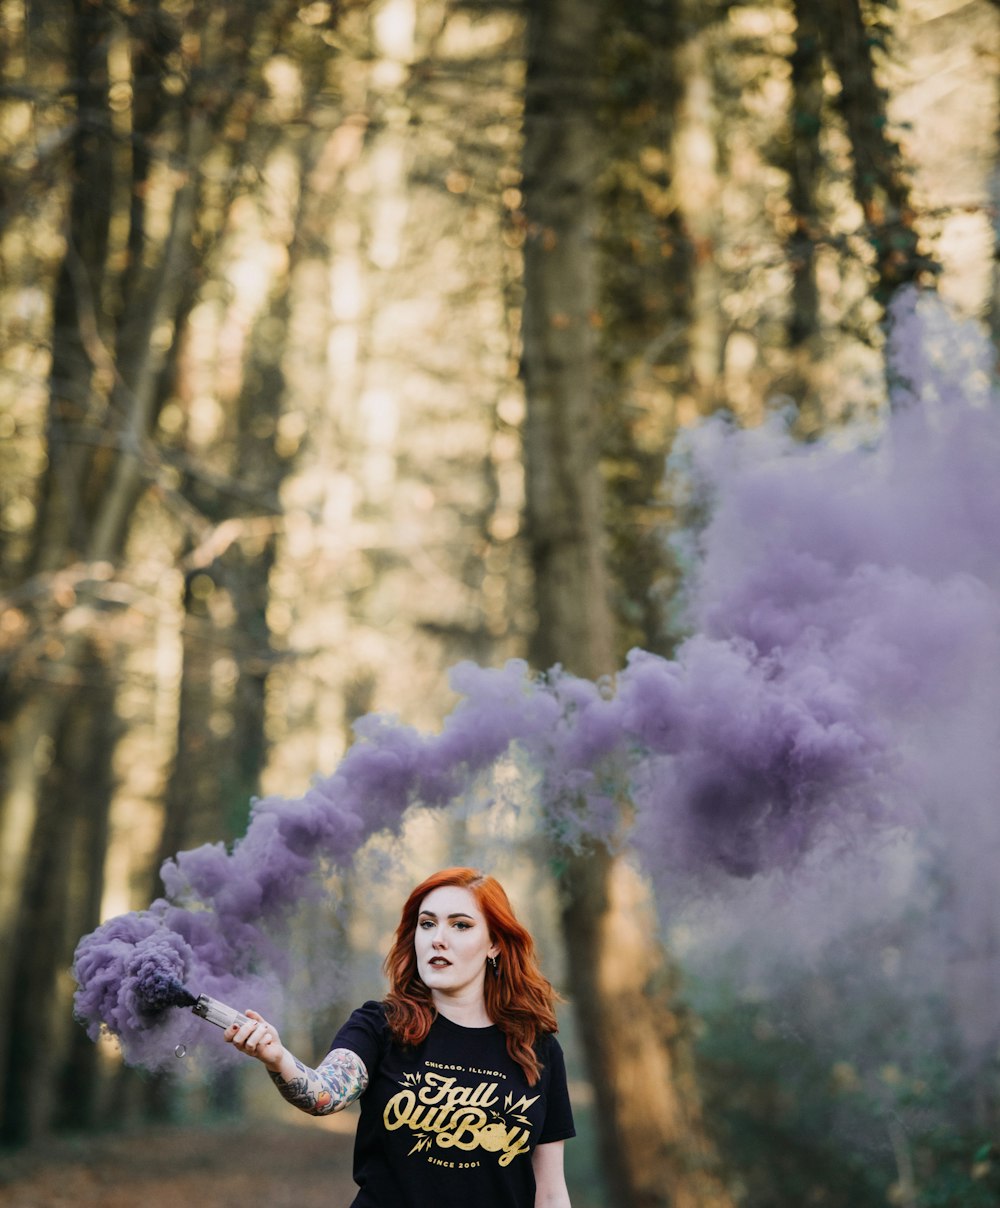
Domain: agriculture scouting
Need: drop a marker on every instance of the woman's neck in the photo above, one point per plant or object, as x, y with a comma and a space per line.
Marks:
468, 1011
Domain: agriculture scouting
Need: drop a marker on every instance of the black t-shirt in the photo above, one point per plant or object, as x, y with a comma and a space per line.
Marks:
450, 1123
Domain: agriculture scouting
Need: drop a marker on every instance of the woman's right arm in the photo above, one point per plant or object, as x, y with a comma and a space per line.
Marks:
339, 1079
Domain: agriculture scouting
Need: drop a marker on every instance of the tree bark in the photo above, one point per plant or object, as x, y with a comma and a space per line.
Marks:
221, 740
698, 188
804, 170
79, 387
652, 1142
564, 495
34, 714
60, 893
880, 183
647, 268
805, 167
993, 306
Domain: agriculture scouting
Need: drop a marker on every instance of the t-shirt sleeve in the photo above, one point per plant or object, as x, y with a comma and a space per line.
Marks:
558, 1124
364, 1033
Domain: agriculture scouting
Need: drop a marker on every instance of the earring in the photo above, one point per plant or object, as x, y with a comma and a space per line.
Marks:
494, 966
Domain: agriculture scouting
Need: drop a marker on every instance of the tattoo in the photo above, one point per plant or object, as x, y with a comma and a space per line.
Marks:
340, 1079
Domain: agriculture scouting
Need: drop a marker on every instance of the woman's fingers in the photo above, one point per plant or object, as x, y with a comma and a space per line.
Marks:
260, 1035
251, 1037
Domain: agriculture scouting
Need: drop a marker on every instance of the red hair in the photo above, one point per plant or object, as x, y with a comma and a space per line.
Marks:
521, 1001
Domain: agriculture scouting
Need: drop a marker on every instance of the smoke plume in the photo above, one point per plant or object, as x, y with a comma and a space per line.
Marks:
833, 706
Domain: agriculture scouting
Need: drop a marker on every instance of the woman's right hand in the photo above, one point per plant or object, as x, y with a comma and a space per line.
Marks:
257, 1038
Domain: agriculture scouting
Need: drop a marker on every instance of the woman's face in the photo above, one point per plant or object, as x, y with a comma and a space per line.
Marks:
452, 942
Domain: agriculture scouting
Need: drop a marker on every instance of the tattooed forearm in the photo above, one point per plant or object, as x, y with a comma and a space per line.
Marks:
340, 1079
344, 1076
297, 1090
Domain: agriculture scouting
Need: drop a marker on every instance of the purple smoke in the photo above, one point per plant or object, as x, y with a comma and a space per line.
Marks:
136, 966
840, 684
220, 923
860, 580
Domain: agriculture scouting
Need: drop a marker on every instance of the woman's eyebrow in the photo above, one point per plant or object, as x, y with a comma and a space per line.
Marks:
459, 914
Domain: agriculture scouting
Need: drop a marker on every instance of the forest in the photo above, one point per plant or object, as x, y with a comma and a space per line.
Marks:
552, 436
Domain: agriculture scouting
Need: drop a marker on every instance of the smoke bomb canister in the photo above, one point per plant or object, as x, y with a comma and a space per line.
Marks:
213, 1011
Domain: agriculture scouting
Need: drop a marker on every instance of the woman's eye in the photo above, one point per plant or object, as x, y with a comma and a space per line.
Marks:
463, 926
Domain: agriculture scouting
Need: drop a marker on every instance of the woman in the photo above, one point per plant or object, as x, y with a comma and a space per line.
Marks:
461, 1079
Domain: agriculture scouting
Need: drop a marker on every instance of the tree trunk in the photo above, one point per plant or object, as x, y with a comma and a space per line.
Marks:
78, 1083
698, 187
880, 183
652, 1143
993, 306
564, 496
647, 266
106, 377
61, 873
82, 374
226, 640
34, 712
805, 166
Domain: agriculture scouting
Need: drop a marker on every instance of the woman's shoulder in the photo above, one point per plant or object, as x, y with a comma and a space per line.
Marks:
370, 1014
547, 1042
550, 1055
372, 1007
367, 1021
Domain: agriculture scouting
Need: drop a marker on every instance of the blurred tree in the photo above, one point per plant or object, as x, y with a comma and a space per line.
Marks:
647, 258
805, 170
653, 1144
993, 305
880, 178
40, 712
805, 166
152, 101
226, 425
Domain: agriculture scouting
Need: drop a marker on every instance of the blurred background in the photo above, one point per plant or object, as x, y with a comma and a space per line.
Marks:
343, 341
